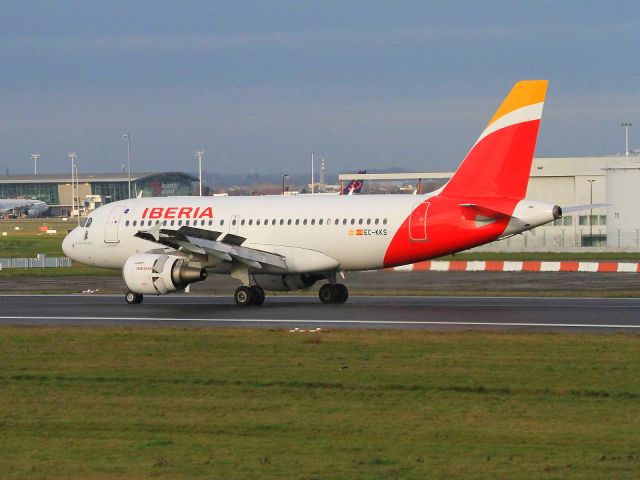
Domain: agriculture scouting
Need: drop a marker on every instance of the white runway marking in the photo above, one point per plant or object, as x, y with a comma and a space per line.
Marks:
343, 322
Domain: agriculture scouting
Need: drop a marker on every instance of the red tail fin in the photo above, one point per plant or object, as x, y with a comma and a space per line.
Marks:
499, 164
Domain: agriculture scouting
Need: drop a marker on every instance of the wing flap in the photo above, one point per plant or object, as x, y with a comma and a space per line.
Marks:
197, 240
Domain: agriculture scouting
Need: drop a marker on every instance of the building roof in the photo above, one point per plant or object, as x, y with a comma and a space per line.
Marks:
87, 177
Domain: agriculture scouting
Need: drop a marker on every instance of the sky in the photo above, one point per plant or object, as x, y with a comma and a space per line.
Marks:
259, 85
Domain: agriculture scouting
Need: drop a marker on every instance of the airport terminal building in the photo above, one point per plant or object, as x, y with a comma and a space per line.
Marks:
93, 189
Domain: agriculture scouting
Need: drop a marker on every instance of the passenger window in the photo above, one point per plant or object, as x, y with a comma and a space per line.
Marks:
344, 221
173, 222
360, 222
134, 222
210, 222
242, 222
179, 222
368, 221
289, 222
313, 221
266, 221
297, 221
157, 222
126, 224
273, 222
251, 221
186, 222
233, 222
304, 222
320, 221
281, 221
377, 221
222, 222
353, 221
257, 222
164, 222
384, 222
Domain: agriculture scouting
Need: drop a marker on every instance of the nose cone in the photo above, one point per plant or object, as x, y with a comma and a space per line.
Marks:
68, 246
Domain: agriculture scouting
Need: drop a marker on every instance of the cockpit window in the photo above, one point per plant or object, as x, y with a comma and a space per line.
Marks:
88, 222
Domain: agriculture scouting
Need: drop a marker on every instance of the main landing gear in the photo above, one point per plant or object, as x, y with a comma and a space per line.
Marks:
246, 296
333, 293
133, 298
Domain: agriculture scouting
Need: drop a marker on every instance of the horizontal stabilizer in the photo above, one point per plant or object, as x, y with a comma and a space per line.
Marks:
473, 210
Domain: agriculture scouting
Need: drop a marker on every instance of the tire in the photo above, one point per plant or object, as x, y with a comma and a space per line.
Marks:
327, 294
133, 298
244, 296
258, 295
341, 293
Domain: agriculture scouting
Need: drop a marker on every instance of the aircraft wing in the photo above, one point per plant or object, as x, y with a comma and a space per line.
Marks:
227, 247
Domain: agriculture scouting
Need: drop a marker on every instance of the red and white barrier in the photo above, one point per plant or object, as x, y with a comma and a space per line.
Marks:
525, 266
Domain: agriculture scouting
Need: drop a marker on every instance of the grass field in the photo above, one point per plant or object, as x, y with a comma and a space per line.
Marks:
186, 403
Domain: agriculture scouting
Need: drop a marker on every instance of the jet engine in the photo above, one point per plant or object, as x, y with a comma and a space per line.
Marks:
286, 283
148, 273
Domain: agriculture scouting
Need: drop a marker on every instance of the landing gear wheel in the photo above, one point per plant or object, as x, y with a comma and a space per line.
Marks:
258, 295
341, 293
244, 296
133, 298
327, 294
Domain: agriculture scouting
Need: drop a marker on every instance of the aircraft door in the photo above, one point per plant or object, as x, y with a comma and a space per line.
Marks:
418, 222
113, 222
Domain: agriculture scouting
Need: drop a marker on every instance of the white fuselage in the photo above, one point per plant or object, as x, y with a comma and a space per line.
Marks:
314, 233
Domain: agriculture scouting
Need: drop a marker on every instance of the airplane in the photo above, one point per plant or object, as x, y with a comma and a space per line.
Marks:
32, 208
354, 186
288, 243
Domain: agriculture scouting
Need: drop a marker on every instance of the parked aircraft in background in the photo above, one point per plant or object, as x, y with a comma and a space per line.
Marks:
291, 242
354, 186
23, 206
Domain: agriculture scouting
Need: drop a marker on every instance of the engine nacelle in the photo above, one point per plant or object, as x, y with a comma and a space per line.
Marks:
148, 273
286, 283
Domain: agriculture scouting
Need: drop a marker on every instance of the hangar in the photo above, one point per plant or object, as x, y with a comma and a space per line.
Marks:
91, 190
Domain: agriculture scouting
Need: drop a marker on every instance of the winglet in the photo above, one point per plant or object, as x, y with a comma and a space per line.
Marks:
499, 163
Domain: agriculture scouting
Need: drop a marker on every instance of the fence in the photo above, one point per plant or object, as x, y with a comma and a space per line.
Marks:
40, 261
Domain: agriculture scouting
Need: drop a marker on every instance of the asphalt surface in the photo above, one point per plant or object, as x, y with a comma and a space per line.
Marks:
290, 312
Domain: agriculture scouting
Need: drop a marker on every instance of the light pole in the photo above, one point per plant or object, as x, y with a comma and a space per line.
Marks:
591, 211
626, 126
312, 187
199, 157
73, 156
35, 157
286, 175
128, 137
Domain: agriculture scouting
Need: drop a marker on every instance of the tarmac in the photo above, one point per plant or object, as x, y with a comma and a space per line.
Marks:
304, 313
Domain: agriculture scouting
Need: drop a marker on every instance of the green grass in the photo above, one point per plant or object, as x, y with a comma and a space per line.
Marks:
213, 403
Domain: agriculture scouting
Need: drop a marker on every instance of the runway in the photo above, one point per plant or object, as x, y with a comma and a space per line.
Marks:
306, 312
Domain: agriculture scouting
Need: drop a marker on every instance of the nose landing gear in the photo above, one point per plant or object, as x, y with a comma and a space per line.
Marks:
133, 298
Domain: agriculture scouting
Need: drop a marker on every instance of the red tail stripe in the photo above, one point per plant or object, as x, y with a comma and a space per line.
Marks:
531, 266
569, 266
458, 265
422, 266
494, 266
608, 267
